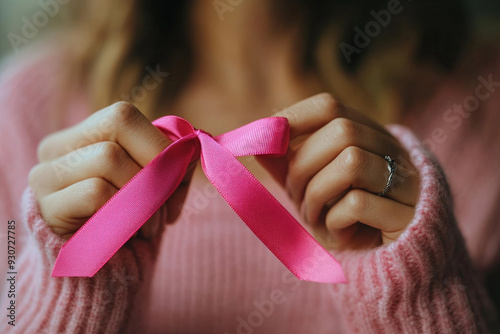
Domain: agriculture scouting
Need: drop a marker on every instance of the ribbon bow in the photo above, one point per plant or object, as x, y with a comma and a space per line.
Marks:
123, 215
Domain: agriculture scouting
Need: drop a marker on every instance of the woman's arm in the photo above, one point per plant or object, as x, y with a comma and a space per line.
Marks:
112, 300
403, 255
424, 282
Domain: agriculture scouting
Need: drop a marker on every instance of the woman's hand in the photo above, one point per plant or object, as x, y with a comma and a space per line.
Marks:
335, 169
82, 167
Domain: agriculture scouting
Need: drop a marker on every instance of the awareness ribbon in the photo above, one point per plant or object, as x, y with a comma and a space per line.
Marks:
124, 214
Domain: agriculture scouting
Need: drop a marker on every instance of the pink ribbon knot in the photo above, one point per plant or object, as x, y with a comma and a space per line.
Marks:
124, 214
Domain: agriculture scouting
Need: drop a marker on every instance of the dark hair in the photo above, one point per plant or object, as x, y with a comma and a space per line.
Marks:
132, 27
171, 17
443, 25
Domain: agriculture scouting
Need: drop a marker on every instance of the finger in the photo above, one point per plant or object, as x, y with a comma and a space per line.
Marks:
304, 118
354, 168
121, 123
68, 209
327, 143
311, 114
379, 212
106, 160
356, 236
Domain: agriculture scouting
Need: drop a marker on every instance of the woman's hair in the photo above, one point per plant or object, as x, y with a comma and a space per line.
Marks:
116, 43
443, 27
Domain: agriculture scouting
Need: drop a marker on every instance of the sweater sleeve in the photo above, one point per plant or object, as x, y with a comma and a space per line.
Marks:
109, 302
424, 282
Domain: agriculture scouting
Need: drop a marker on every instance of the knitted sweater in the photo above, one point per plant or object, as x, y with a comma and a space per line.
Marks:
208, 273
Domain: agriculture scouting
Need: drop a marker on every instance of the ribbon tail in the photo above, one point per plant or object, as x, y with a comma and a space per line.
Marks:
118, 220
266, 217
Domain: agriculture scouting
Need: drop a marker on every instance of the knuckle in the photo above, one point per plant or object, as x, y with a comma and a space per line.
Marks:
109, 153
357, 201
314, 191
96, 189
328, 103
124, 112
345, 128
353, 159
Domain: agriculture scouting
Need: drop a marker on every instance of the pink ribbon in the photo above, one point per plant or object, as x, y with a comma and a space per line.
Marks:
118, 220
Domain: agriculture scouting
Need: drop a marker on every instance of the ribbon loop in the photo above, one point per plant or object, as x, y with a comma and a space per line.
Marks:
110, 227
268, 136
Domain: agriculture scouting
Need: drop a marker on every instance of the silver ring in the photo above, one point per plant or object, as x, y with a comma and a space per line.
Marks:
392, 167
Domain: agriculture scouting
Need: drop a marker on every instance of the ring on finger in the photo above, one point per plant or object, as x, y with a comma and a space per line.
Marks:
392, 167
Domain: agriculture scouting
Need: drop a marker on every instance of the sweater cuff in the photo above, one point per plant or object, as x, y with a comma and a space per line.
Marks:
425, 274
112, 301
136, 255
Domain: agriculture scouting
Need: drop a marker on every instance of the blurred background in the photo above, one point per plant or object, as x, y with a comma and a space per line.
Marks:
15, 32
16, 15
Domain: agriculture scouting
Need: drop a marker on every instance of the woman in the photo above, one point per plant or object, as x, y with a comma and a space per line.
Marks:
221, 65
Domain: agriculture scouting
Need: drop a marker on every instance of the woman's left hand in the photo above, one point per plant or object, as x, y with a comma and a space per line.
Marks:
335, 169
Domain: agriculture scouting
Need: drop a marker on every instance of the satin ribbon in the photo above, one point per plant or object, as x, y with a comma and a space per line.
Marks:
122, 216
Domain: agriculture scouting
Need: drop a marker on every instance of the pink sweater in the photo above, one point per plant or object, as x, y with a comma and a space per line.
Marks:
208, 273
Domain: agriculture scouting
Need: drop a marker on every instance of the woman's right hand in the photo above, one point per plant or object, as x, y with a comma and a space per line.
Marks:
82, 167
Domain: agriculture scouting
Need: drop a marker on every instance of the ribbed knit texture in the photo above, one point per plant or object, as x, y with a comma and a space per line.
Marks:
103, 304
208, 273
